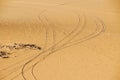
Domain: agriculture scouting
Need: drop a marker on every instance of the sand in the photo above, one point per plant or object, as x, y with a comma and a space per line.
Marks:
77, 40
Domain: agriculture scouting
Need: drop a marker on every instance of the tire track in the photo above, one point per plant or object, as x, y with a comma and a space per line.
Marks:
54, 46
50, 48
93, 35
90, 36
27, 59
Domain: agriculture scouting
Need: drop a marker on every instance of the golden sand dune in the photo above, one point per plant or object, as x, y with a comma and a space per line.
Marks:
59, 40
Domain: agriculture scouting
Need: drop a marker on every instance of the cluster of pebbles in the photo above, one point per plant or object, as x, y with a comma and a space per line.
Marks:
4, 54
16, 46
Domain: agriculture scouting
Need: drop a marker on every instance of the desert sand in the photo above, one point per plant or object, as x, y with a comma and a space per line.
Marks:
59, 40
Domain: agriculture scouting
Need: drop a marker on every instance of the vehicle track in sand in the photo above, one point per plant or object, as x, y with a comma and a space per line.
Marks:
48, 49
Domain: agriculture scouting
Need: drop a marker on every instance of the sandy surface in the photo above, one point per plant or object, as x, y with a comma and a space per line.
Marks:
79, 39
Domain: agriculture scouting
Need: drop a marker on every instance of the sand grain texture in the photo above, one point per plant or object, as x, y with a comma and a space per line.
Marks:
59, 40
